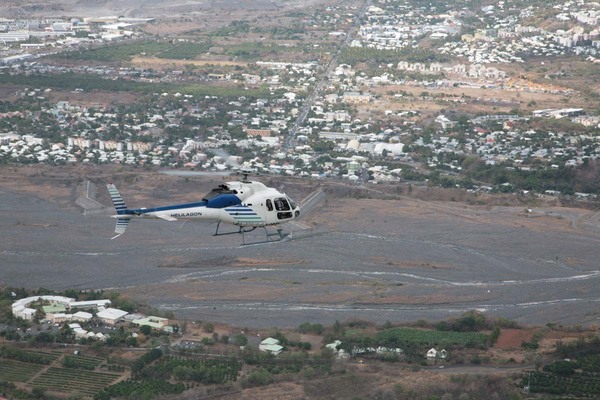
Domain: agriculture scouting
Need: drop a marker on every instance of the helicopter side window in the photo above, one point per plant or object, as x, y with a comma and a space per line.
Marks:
269, 205
282, 204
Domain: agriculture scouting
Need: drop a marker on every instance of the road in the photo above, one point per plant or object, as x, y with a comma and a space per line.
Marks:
317, 91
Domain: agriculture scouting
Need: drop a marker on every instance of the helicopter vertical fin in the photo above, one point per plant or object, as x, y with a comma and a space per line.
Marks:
121, 208
116, 198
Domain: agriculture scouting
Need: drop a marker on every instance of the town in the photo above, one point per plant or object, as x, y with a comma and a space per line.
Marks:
354, 120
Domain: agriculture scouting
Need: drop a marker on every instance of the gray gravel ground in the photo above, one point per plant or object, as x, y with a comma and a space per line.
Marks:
380, 261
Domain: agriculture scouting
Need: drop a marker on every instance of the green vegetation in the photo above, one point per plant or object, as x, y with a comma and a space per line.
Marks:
580, 385
71, 81
207, 371
185, 51
574, 372
83, 362
10, 391
74, 380
151, 374
233, 28
15, 371
311, 328
293, 32
146, 389
456, 334
570, 377
397, 337
256, 51
126, 51
287, 363
353, 55
145, 360
567, 180
257, 378
27, 356
119, 52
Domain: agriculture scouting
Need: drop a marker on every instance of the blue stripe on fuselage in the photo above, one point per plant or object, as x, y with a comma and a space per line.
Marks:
221, 201
166, 208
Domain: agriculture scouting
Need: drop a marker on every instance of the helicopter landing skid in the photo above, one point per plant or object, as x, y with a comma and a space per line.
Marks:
271, 237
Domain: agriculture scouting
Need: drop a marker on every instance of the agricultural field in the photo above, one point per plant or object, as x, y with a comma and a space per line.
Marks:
184, 51
120, 52
83, 362
187, 50
54, 371
397, 336
16, 371
580, 378
580, 385
28, 356
71, 81
74, 380
354, 55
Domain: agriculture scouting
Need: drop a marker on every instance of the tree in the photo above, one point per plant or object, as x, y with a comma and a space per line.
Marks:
44, 337
208, 327
146, 329
38, 392
337, 327
241, 340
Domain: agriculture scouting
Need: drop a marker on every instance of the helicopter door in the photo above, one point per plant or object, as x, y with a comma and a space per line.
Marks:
282, 206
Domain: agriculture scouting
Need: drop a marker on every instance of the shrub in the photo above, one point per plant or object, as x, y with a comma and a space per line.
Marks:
307, 327
145, 329
257, 378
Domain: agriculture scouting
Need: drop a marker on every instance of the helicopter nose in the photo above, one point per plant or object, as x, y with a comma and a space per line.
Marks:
297, 213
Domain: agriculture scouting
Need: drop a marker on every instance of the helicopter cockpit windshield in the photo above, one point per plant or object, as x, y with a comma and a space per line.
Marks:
292, 204
281, 204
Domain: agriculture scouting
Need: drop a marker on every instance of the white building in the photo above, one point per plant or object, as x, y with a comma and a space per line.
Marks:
20, 307
390, 148
111, 316
270, 345
89, 304
24, 312
82, 316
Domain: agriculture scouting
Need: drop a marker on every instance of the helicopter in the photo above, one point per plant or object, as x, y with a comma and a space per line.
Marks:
245, 204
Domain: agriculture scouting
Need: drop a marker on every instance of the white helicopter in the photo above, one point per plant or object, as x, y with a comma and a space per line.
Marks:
246, 204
